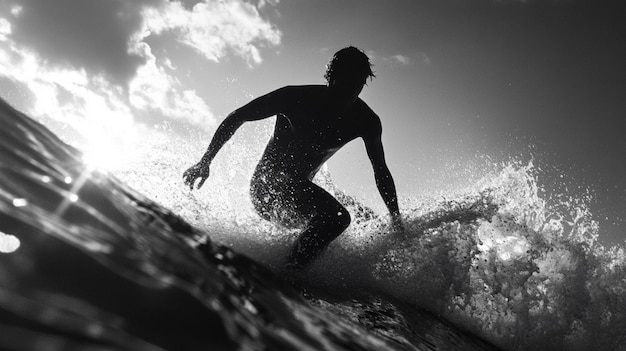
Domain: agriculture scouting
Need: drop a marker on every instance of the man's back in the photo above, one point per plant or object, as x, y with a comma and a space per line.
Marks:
311, 125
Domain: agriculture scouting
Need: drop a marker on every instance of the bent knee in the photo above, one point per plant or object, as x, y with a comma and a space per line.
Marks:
344, 218
339, 219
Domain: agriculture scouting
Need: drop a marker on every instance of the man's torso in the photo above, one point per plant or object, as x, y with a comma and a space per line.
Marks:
310, 128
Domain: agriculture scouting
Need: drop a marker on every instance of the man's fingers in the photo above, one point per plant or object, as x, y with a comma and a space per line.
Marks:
192, 174
202, 180
188, 181
187, 178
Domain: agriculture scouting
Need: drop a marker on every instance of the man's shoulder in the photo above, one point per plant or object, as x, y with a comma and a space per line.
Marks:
298, 92
364, 112
302, 88
363, 108
369, 120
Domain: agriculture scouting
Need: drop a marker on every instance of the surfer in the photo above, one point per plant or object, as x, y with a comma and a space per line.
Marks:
312, 123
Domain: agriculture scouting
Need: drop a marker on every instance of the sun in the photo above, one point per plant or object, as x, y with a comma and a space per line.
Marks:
102, 151
103, 156
107, 150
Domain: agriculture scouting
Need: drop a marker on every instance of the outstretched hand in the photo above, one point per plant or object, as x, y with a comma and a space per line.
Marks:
194, 172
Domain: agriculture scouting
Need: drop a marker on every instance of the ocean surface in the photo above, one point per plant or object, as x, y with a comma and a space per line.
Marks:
126, 258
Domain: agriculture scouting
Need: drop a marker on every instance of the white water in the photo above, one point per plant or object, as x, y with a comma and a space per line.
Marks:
529, 275
495, 257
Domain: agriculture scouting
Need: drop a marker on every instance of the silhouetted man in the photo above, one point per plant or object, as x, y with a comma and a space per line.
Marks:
312, 123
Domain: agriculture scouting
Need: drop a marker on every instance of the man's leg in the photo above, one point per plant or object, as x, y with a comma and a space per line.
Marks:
327, 220
292, 203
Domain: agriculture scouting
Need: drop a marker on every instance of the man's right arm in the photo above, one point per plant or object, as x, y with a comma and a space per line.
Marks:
224, 132
262, 107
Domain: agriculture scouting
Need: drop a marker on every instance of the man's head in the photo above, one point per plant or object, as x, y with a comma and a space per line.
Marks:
349, 63
348, 71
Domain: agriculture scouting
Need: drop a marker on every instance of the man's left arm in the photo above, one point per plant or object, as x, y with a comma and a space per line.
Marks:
382, 175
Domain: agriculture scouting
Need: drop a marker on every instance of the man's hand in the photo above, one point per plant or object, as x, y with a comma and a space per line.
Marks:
199, 170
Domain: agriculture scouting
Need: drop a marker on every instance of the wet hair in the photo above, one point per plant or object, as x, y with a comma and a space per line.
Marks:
351, 62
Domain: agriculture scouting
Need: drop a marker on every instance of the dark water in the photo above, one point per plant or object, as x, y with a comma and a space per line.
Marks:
89, 263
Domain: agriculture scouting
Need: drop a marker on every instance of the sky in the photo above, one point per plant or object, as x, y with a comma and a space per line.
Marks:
458, 81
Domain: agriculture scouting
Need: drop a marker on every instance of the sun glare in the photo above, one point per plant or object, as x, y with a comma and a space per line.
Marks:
102, 157
108, 151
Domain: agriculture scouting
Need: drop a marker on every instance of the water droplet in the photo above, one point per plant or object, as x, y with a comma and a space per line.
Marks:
95, 330
8, 243
19, 202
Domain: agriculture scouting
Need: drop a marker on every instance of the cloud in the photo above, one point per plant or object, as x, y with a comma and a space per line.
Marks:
264, 3
65, 94
5, 29
425, 59
402, 59
84, 34
89, 59
213, 28
153, 89
405, 60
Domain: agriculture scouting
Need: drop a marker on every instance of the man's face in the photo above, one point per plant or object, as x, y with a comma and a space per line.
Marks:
349, 87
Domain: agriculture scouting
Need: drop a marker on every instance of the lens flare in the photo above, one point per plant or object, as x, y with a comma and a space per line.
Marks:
8, 243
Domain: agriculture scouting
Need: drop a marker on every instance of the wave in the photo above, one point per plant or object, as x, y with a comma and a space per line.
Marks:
97, 261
